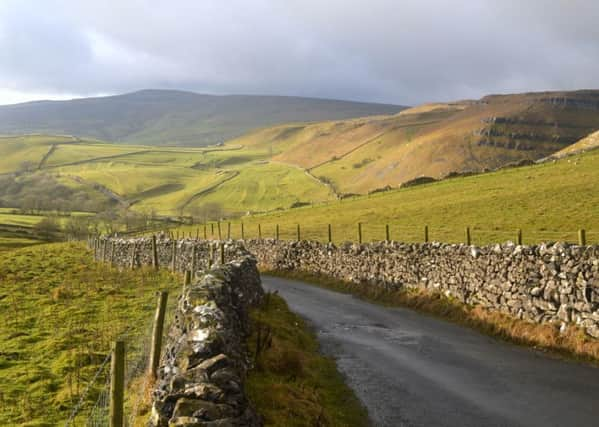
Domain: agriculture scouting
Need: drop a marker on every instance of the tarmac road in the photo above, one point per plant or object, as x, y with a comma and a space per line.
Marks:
410, 369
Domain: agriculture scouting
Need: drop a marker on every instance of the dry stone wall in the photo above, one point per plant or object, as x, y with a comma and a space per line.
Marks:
201, 376
201, 379
188, 254
547, 283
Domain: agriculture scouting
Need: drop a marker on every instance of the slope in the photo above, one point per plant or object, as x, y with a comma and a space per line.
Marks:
360, 155
548, 201
590, 142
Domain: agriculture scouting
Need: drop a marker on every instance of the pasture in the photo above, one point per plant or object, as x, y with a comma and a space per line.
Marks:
548, 202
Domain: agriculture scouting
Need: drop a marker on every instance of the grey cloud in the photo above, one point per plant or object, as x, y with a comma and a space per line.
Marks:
404, 52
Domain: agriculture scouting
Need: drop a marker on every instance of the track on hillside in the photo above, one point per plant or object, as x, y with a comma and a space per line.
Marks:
410, 369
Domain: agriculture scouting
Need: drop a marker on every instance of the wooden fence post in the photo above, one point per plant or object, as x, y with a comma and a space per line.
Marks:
187, 279
360, 232
197, 233
177, 234
211, 229
154, 252
299, 234
277, 232
519, 237
259, 232
104, 250
219, 233
174, 257
242, 232
468, 239
111, 252
228, 231
222, 253
582, 237
193, 259
117, 384
426, 234
157, 333
205, 232
387, 234
330, 234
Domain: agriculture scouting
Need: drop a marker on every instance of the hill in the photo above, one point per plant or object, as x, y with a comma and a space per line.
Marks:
549, 201
360, 155
292, 165
43, 171
167, 117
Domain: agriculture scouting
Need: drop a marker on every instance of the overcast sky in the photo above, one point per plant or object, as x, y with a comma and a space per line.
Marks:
396, 51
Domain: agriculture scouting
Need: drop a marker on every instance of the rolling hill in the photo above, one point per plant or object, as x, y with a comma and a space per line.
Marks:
167, 117
290, 165
360, 155
549, 202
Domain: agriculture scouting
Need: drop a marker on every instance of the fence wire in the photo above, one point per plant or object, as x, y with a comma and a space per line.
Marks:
375, 232
101, 374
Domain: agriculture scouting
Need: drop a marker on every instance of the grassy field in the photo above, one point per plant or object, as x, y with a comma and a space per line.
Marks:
9, 243
169, 180
15, 151
17, 230
59, 312
549, 202
267, 186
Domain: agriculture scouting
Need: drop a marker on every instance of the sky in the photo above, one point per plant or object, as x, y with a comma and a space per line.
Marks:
404, 52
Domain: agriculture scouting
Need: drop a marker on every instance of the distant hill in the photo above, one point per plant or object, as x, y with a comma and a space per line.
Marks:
166, 117
360, 155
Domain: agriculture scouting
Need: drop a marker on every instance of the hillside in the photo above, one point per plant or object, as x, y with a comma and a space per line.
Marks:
360, 155
167, 117
291, 165
41, 171
590, 142
549, 201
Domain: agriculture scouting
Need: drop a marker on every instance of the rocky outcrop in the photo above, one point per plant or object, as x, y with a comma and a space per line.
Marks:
547, 283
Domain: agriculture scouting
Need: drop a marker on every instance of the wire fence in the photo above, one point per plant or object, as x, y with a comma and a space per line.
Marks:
99, 377
138, 383
366, 232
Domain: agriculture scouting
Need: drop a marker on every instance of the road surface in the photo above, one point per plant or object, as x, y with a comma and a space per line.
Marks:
410, 369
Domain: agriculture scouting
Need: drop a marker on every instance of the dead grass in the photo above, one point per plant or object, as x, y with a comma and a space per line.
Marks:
572, 343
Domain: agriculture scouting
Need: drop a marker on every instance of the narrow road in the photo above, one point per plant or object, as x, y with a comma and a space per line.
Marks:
410, 369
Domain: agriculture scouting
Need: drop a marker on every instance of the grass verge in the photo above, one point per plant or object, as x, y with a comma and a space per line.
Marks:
291, 383
572, 344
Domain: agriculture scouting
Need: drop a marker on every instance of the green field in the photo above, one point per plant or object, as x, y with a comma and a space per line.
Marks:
59, 312
251, 175
170, 180
549, 202
24, 152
